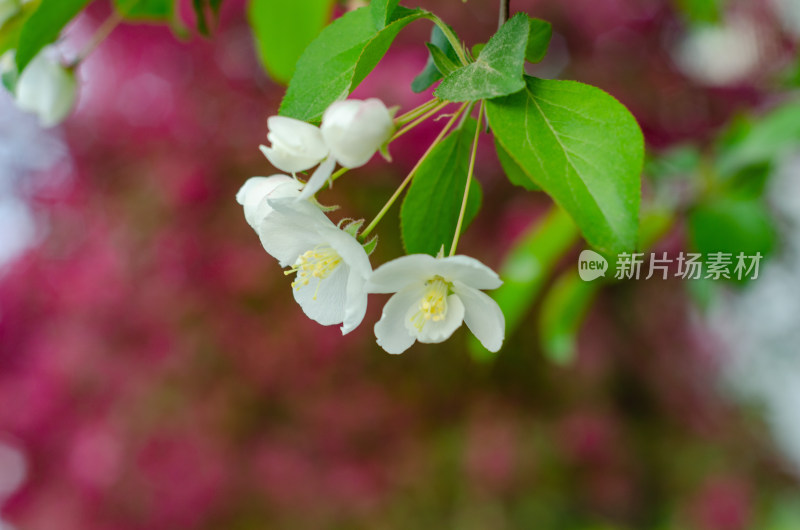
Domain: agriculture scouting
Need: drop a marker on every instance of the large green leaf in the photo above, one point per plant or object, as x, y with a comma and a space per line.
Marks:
583, 148
12, 27
282, 31
432, 72
146, 9
498, 69
513, 172
338, 60
430, 210
44, 26
381, 11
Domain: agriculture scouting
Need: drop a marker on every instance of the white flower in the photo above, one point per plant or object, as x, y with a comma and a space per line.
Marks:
296, 145
433, 296
354, 130
47, 88
331, 266
255, 191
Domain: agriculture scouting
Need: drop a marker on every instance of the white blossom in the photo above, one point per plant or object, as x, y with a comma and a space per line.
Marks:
354, 130
255, 191
330, 265
433, 297
47, 88
295, 145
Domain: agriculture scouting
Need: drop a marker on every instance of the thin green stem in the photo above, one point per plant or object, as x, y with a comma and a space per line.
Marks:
410, 175
341, 171
102, 33
414, 113
469, 181
451, 37
419, 120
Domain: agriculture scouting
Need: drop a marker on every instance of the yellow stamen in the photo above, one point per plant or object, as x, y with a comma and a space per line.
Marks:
433, 304
319, 263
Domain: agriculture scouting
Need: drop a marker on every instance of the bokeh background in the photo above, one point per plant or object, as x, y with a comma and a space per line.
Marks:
155, 372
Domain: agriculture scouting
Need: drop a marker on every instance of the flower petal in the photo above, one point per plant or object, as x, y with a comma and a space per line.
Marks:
390, 330
324, 300
482, 315
468, 270
400, 273
286, 233
355, 302
433, 331
253, 193
296, 145
354, 130
318, 178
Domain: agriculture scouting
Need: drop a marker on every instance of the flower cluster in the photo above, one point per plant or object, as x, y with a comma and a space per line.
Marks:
332, 272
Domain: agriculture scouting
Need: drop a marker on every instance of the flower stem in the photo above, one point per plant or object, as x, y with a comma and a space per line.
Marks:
505, 7
451, 37
410, 175
469, 181
419, 120
414, 113
101, 34
339, 172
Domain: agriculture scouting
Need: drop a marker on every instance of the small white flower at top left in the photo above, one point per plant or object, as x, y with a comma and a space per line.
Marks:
330, 266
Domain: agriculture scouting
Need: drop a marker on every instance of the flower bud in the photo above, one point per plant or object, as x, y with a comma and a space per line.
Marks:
354, 130
296, 145
47, 88
254, 193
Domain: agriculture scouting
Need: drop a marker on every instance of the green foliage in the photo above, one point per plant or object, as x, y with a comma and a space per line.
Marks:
44, 26
338, 60
11, 29
538, 40
498, 69
762, 142
145, 9
563, 309
513, 172
430, 210
701, 11
205, 11
282, 30
583, 148
731, 225
526, 269
432, 73
381, 11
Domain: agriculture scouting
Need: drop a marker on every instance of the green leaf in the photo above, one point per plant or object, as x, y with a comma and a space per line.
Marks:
701, 11
512, 170
498, 69
526, 269
11, 29
145, 9
443, 63
44, 26
583, 148
282, 31
538, 39
338, 60
440, 181
766, 140
732, 225
563, 310
431, 73
381, 11
201, 9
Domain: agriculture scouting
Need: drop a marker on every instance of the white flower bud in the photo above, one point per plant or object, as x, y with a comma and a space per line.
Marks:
254, 193
354, 130
47, 88
296, 145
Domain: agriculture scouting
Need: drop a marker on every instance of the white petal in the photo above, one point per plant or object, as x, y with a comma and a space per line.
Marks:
432, 331
296, 145
318, 178
400, 273
482, 315
354, 130
468, 270
324, 300
252, 194
286, 160
47, 88
390, 330
355, 303
285, 236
